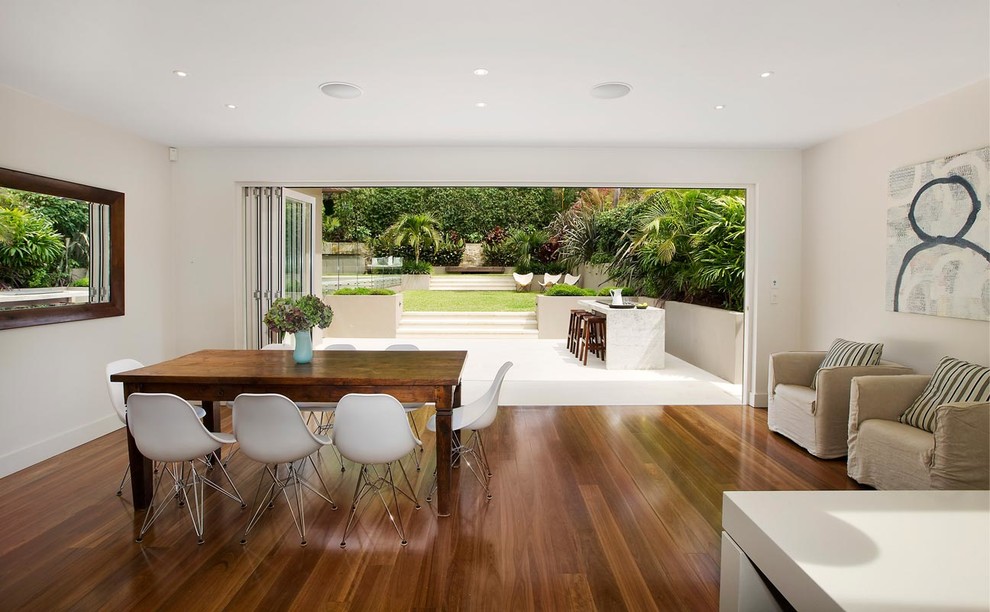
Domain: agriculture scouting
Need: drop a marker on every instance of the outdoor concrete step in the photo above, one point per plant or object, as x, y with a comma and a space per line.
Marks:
452, 323
465, 332
488, 282
468, 325
525, 314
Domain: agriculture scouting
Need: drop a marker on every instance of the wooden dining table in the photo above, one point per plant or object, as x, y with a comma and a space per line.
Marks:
221, 375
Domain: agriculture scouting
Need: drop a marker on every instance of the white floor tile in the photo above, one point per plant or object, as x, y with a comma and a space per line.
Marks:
546, 374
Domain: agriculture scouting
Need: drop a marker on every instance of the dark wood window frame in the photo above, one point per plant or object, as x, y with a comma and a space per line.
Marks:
27, 317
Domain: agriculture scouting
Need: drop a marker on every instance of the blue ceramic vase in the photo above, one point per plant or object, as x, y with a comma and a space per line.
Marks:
303, 353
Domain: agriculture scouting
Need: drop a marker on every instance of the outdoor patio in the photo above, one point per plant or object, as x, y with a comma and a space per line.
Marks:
546, 374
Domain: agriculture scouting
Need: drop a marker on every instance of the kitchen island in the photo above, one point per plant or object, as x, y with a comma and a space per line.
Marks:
634, 337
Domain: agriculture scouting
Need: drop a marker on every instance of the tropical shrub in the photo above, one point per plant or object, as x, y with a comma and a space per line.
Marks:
497, 249
688, 245
30, 248
568, 290
501, 254
82, 282
525, 243
448, 253
411, 266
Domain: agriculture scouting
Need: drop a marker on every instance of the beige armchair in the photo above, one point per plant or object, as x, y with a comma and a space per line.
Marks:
887, 454
816, 419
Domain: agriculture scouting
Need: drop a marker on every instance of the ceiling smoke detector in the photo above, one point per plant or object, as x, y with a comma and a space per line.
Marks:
342, 91
608, 91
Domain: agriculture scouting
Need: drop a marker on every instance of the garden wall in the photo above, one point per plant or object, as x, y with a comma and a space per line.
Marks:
593, 277
364, 316
709, 338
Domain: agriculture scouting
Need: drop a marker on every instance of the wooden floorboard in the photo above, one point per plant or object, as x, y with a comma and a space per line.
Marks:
595, 508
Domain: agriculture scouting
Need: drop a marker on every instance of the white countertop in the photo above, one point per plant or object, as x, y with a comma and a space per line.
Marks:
596, 305
867, 550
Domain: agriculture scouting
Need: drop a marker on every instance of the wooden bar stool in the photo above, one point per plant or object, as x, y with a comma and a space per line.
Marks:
593, 338
573, 325
578, 331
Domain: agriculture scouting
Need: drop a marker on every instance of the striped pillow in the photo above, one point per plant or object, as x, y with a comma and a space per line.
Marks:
954, 380
848, 353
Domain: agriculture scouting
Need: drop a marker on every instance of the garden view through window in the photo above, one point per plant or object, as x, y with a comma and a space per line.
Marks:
54, 251
671, 244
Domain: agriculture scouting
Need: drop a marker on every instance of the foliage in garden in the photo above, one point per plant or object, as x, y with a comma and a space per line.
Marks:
41, 238
686, 245
472, 212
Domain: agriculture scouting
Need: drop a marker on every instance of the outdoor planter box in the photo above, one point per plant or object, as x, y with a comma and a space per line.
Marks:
554, 312
710, 338
364, 316
415, 282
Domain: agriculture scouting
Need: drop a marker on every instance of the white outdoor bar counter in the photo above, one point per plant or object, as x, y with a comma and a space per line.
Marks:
634, 337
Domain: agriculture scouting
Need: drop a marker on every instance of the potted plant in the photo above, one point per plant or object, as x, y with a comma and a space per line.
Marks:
299, 316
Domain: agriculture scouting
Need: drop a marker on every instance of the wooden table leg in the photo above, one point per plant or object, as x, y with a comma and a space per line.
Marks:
445, 408
212, 418
455, 436
141, 475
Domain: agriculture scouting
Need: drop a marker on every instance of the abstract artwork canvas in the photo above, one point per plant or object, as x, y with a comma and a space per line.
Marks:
938, 237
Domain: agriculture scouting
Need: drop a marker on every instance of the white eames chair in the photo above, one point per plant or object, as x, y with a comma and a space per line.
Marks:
167, 430
116, 391
271, 430
475, 417
372, 429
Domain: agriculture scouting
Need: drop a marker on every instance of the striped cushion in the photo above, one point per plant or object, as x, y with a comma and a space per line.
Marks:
954, 380
848, 353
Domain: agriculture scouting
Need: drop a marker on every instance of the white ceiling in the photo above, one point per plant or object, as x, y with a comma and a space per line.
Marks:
838, 64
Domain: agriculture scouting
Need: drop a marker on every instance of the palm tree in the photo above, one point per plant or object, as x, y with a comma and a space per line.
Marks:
414, 230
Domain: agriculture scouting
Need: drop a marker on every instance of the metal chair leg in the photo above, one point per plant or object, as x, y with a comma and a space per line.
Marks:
123, 479
279, 485
366, 484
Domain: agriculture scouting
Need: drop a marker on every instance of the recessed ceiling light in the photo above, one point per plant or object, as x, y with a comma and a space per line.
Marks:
342, 91
480, 104
180, 73
766, 75
608, 91
480, 71
231, 106
719, 106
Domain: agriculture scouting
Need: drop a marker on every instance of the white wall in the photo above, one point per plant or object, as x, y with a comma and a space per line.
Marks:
207, 205
52, 390
844, 231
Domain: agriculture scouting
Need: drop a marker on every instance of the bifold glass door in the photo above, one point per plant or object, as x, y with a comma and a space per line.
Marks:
279, 253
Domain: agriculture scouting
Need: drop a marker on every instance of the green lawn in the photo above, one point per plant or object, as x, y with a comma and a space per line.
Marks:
468, 301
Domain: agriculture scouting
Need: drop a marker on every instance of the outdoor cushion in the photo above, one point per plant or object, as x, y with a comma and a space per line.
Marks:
849, 353
954, 380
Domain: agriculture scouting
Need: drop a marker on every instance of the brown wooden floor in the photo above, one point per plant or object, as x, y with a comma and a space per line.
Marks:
595, 508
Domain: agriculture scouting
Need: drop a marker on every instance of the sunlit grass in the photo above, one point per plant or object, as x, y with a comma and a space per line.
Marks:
468, 301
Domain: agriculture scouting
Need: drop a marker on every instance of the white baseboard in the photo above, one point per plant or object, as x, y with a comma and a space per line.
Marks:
758, 400
35, 453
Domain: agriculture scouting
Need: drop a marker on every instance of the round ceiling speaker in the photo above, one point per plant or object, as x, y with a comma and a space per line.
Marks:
607, 91
343, 91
